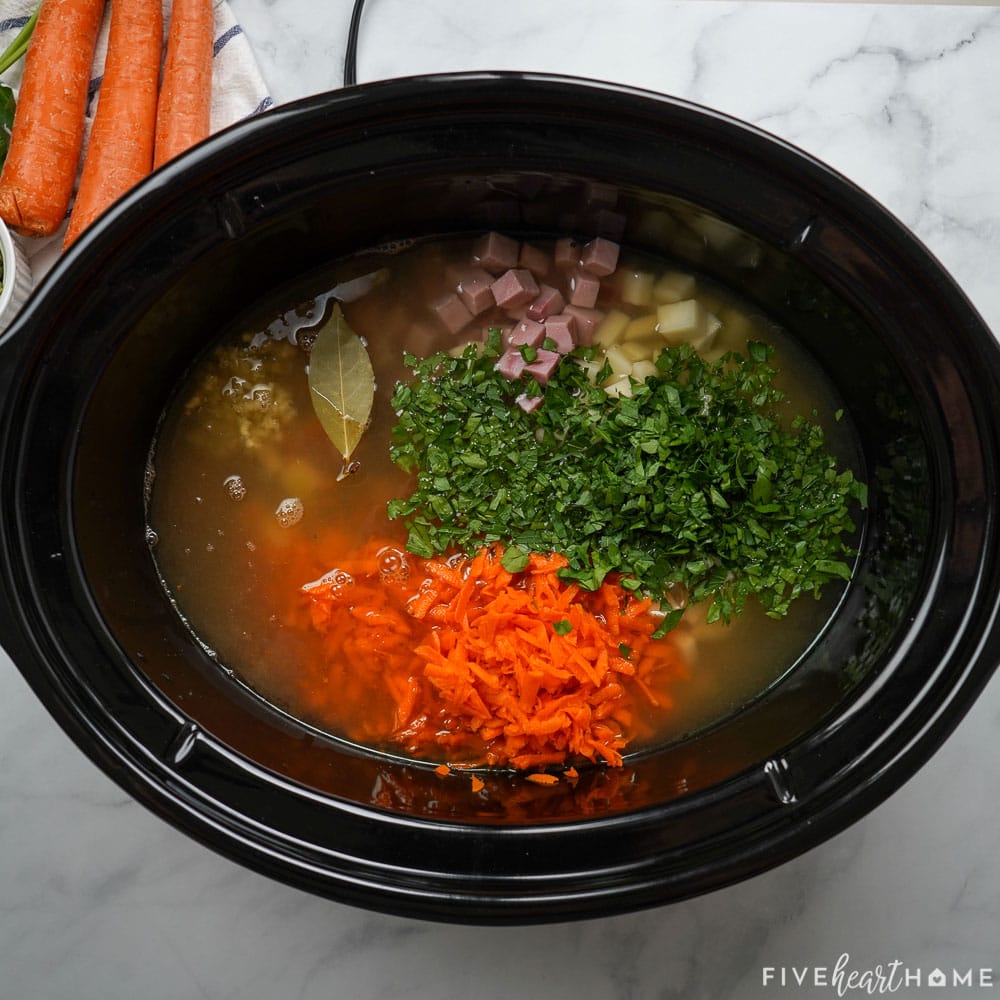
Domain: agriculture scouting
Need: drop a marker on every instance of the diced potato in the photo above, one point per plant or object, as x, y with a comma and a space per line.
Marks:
655, 226
592, 368
688, 245
706, 342
636, 287
674, 286
620, 363
619, 387
611, 329
727, 240
720, 235
638, 350
640, 327
686, 322
642, 370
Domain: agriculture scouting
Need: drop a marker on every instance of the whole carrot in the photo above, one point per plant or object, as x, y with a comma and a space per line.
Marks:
183, 112
120, 152
47, 136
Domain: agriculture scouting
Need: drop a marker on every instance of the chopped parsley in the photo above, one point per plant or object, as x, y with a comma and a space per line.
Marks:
693, 482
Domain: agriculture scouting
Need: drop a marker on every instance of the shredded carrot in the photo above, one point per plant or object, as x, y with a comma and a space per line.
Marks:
477, 784
120, 151
517, 670
542, 778
443, 769
183, 114
47, 134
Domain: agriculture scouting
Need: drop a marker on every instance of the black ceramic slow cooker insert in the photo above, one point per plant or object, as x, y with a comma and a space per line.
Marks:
91, 361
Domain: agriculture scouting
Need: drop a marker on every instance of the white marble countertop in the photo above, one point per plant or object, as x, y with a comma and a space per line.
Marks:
100, 900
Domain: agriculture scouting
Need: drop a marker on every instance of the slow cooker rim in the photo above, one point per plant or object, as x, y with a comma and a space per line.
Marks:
863, 796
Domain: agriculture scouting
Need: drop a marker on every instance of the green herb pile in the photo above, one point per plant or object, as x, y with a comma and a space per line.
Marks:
692, 482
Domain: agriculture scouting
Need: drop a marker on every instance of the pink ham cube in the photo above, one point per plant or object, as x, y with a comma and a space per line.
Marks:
586, 322
527, 333
515, 287
561, 330
583, 289
600, 257
528, 403
535, 260
567, 253
549, 301
472, 286
511, 364
543, 366
495, 252
451, 310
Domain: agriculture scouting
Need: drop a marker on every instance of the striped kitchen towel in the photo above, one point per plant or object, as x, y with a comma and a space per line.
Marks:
238, 89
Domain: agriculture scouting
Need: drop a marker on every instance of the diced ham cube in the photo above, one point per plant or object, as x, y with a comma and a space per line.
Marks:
586, 322
528, 403
451, 310
543, 366
583, 289
511, 364
472, 286
562, 330
537, 261
515, 287
549, 302
567, 253
527, 333
496, 252
600, 257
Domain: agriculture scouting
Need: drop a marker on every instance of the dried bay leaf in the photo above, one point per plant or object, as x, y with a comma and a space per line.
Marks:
341, 383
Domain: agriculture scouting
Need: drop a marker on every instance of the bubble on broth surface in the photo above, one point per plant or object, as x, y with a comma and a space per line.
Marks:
393, 566
289, 512
261, 394
338, 581
235, 487
236, 386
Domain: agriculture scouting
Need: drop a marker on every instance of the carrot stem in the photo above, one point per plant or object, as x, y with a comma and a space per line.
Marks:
19, 44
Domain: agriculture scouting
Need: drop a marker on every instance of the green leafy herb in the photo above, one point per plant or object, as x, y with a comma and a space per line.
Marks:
7, 108
696, 481
341, 383
562, 627
515, 559
8, 105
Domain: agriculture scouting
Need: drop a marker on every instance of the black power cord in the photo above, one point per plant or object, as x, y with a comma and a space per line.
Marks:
351, 55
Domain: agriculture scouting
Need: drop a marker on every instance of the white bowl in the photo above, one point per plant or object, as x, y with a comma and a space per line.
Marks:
17, 280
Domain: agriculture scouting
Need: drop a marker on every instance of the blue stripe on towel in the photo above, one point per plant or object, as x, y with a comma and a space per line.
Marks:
13, 22
225, 38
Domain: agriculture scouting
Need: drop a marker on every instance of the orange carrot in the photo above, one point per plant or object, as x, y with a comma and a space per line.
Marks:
541, 778
47, 136
120, 151
183, 114
537, 671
